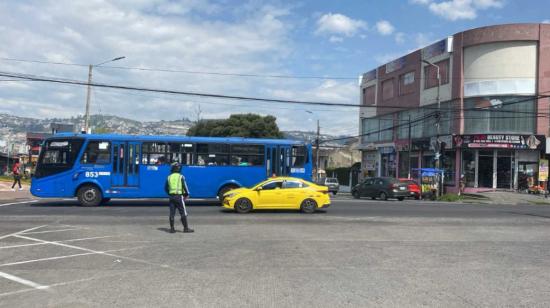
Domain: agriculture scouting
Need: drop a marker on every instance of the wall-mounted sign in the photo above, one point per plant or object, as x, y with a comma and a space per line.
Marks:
396, 64
499, 141
434, 49
368, 76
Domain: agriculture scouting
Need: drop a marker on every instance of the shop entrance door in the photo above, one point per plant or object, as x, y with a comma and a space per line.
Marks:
504, 170
485, 173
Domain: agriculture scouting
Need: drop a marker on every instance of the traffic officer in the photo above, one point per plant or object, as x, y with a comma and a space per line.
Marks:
177, 191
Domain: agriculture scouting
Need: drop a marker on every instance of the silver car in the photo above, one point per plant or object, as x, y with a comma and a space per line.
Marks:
331, 183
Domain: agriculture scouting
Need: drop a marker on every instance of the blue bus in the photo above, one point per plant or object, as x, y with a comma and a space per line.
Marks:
97, 167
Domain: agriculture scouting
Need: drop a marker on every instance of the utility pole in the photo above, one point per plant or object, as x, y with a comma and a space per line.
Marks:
437, 125
410, 146
88, 93
8, 165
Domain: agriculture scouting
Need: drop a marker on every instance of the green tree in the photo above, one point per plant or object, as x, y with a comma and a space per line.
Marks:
238, 125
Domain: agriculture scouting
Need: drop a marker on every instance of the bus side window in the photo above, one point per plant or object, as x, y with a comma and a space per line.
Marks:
155, 152
97, 152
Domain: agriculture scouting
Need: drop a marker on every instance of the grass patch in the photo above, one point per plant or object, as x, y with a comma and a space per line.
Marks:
450, 198
538, 202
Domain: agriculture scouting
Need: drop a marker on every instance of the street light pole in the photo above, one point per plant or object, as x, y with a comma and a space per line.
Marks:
317, 142
88, 93
437, 123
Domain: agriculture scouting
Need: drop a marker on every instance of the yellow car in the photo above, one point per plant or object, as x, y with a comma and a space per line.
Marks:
278, 193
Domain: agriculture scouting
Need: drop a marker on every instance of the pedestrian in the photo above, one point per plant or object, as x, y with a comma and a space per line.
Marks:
177, 191
16, 175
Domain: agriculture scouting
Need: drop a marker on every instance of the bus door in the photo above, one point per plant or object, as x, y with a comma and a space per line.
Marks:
126, 164
277, 160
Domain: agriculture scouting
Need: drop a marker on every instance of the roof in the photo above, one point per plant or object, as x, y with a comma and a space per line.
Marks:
181, 138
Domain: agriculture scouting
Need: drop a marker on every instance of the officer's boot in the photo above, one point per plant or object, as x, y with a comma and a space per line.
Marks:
172, 230
186, 228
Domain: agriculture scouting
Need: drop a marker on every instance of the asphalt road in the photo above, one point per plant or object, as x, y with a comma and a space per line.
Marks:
357, 253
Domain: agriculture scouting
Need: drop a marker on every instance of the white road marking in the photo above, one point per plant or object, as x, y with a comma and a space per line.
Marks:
12, 234
106, 253
92, 251
23, 281
71, 240
22, 202
49, 231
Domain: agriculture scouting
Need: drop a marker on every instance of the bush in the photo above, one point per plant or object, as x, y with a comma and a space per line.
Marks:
450, 198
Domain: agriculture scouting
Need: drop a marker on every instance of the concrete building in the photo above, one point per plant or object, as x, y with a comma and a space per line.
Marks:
493, 116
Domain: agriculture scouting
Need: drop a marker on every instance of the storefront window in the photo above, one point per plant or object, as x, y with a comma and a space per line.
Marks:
387, 165
448, 164
499, 115
469, 167
403, 164
428, 161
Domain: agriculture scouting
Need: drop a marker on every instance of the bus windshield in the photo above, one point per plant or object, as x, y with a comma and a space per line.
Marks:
57, 155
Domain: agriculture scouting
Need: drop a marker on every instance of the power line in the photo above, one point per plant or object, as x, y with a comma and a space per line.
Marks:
221, 96
149, 69
188, 71
420, 121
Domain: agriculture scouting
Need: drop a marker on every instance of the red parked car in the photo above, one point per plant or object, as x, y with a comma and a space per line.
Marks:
414, 188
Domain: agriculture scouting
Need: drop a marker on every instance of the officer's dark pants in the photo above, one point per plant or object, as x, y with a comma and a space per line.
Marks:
177, 202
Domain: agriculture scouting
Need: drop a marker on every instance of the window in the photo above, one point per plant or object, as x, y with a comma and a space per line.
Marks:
369, 95
406, 83
247, 155
212, 154
469, 167
387, 89
386, 130
447, 163
499, 115
293, 184
370, 130
430, 74
182, 153
154, 153
272, 185
58, 156
299, 156
97, 152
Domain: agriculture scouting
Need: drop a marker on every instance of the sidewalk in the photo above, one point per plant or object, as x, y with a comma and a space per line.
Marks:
7, 194
512, 198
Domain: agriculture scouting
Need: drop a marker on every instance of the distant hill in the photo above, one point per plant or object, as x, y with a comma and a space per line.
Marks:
16, 127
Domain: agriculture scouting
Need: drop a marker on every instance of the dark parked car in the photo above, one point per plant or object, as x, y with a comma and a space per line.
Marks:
382, 188
331, 183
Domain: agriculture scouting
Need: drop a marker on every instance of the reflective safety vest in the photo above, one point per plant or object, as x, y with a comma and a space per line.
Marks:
174, 184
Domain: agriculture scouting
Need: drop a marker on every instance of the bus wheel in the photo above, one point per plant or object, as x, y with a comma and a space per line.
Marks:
89, 195
243, 205
224, 190
309, 206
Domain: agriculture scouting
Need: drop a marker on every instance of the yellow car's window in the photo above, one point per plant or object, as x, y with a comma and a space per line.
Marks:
272, 185
293, 184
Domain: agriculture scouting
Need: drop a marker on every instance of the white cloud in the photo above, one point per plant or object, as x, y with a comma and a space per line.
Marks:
339, 24
459, 9
336, 39
384, 27
399, 37
546, 21
195, 36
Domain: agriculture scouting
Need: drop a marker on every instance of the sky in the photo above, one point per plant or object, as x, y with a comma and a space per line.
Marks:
210, 43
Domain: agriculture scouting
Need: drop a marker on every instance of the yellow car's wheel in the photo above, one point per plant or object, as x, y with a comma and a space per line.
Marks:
309, 206
243, 205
